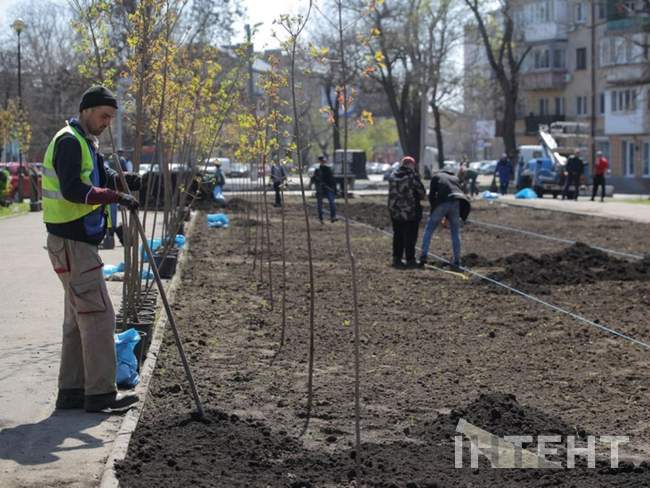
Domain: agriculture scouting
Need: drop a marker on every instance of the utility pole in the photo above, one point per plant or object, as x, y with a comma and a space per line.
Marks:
593, 84
18, 26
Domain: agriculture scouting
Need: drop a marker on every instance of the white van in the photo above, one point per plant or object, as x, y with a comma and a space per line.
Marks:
526, 153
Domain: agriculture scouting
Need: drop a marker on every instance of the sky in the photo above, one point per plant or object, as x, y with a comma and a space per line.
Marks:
259, 11
265, 11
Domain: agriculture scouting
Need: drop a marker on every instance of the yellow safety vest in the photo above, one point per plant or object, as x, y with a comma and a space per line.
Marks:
56, 209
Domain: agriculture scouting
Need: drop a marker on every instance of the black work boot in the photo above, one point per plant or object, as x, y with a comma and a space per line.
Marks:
109, 402
423, 262
411, 264
70, 398
398, 264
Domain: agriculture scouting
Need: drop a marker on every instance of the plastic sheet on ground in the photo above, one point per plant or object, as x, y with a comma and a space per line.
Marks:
489, 195
127, 364
110, 269
526, 194
218, 220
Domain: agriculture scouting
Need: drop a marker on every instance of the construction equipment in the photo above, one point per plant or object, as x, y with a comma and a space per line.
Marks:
546, 174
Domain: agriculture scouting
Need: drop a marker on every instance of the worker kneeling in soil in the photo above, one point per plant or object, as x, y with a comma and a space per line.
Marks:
448, 201
405, 190
75, 196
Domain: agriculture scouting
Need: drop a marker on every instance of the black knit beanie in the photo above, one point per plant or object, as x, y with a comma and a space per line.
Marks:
96, 96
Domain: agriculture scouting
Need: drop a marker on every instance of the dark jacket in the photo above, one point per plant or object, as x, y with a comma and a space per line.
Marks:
405, 190
323, 179
446, 187
67, 164
504, 169
575, 166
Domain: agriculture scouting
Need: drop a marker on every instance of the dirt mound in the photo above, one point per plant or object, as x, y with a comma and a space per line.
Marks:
500, 414
577, 264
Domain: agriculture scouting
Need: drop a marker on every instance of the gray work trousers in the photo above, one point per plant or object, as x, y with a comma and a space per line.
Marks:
88, 350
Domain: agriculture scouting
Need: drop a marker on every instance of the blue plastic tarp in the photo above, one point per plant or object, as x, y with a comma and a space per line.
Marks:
127, 364
218, 220
526, 193
488, 195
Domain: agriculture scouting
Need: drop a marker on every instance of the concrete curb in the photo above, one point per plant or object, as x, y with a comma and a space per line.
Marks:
131, 418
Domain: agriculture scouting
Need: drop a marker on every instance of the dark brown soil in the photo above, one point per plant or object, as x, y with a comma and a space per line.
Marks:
435, 348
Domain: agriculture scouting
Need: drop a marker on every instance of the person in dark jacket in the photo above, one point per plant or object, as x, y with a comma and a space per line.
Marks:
76, 189
505, 171
448, 201
405, 190
574, 169
279, 176
325, 187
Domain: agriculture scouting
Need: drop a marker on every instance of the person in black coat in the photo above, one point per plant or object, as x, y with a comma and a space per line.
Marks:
325, 187
574, 169
448, 201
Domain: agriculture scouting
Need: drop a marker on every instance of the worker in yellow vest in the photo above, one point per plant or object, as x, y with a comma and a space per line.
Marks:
76, 188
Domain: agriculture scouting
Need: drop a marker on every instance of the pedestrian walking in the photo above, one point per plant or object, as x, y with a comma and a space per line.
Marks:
447, 201
405, 191
77, 187
505, 171
574, 169
468, 177
279, 177
325, 188
600, 169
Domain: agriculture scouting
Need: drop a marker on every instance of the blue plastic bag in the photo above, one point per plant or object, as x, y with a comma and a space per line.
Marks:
127, 364
179, 240
488, 195
146, 274
110, 269
218, 220
217, 194
526, 193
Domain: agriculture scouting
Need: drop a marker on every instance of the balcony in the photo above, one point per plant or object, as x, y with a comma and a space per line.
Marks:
545, 31
628, 74
534, 121
545, 80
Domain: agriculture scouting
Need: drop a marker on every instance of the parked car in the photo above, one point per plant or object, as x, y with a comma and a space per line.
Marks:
451, 166
488, 167
476, 166
25, 180
239, 170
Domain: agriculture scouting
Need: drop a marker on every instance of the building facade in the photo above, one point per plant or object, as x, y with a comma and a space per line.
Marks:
588, 62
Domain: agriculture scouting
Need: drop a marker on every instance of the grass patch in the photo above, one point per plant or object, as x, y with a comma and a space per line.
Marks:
14, 209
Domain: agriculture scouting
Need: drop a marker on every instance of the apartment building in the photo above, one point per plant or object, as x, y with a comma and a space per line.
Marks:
589, 62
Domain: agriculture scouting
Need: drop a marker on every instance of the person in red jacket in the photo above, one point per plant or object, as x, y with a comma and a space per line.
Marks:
600, 168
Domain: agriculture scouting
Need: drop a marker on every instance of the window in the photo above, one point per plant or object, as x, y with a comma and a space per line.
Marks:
559, 58
543, 106
627, 148
602, 11
624, 100
646, 159
581, 58
581, 105
542, 59
580, 12
601, 99
559, 105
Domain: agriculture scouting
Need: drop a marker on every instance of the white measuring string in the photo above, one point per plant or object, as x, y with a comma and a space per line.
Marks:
573, 315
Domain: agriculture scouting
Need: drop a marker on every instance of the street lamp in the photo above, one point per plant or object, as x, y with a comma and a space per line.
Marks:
19, 26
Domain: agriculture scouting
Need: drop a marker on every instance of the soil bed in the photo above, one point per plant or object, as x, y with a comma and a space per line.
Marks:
435, 349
